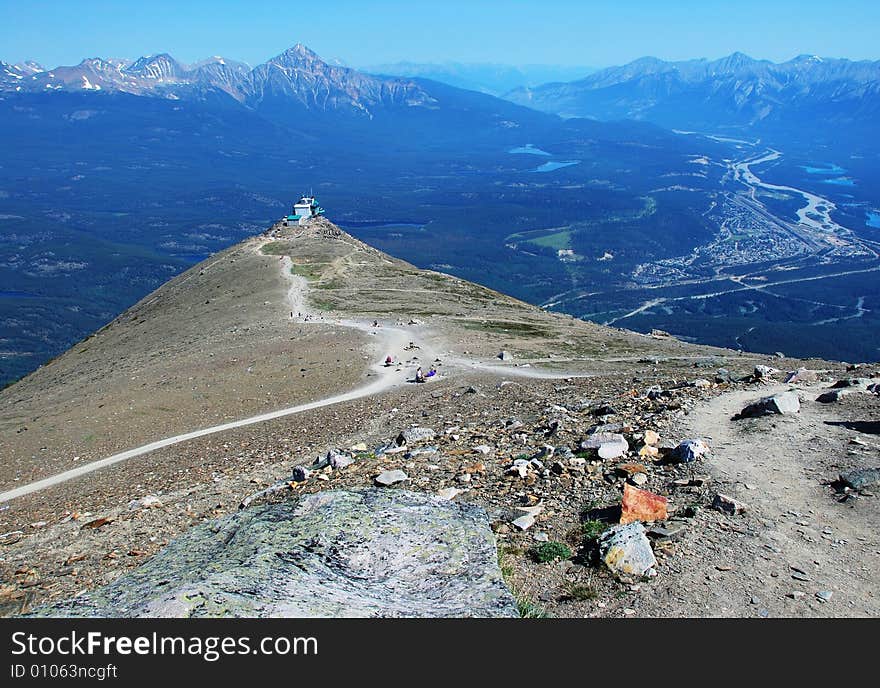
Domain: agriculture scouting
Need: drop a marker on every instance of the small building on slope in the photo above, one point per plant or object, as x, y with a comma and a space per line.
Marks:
304, 209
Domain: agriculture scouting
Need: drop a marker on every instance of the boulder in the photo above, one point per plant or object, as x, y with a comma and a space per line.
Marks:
688, 451
360, 553
861, 382
388, 478
505, 356
762, 372
612, 450
338, 459
414, 435
786, 403
626, 550
831, 396
728, 505
300, 474
649, 451
524, 522
641, 505
609, 445
801, 375
722, 375
860, 478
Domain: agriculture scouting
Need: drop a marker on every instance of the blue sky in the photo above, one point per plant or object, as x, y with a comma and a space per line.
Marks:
563, 32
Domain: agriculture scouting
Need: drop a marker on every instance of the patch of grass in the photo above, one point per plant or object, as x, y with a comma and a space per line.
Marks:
530, 610
276, 248
550, 551
592, 529
526, 607
505, 326
331, 284
311, 271
322, 304
580, 591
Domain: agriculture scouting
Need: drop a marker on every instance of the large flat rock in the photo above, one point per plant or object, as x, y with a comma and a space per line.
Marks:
363, 553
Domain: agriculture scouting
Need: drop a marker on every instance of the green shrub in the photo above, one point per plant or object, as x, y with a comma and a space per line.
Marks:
550, 551
593, 529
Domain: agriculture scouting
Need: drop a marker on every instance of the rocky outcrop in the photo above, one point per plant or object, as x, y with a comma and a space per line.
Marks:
359, 553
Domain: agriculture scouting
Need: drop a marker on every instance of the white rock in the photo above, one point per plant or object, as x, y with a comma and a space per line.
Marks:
146, 502
524, 522
388, 478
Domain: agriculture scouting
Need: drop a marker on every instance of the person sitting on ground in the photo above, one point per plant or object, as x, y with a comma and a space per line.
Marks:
388, 361
419, 376
431, 372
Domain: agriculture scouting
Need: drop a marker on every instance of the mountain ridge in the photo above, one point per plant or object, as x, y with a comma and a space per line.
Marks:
297, 73
734, 91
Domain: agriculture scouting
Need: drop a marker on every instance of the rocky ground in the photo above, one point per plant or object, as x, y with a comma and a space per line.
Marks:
805, 544
722, 515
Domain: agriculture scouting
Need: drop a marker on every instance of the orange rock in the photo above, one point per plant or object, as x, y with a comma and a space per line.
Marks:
641, 505
649, 451
630, 468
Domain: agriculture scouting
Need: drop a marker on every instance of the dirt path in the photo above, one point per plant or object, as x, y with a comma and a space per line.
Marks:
797, 539
388, 340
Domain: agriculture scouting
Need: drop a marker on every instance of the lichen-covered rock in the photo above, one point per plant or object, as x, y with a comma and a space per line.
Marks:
361, 553
860, 478
626, 550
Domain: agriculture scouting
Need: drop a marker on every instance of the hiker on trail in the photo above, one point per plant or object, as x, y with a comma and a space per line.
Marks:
419, 376
388, 361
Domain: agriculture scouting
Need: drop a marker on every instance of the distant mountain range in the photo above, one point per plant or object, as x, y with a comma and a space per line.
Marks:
297, 74
494, 79
808, 94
